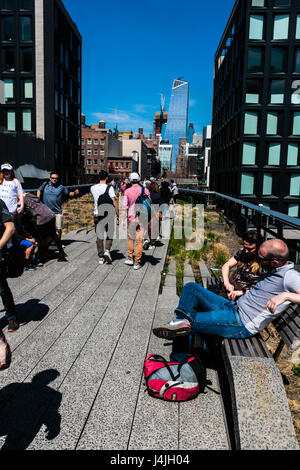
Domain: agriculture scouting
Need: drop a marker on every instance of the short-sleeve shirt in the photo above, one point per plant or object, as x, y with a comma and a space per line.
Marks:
54, 196
130, 196
245, 274
9, 193
254, 315
97, 190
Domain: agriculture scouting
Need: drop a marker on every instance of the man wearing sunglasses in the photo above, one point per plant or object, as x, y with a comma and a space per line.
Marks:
53, 194
202, 311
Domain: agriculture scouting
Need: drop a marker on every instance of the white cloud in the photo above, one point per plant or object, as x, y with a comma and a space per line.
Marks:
126, 120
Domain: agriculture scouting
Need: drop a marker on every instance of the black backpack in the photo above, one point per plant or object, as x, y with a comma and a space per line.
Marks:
104, 199
15, 260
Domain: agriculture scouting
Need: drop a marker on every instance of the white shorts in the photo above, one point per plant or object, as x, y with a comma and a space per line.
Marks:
59, 220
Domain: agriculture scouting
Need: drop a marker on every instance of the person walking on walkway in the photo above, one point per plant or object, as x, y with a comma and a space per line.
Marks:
53, 194
136, 231
104, 217
7, 229
11, 191
204, 312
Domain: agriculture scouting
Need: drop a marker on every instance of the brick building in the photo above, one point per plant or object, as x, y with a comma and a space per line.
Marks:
97, 145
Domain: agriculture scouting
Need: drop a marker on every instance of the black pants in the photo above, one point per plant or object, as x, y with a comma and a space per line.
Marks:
45, 231
6, 295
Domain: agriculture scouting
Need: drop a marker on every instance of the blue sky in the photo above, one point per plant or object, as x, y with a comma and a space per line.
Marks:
133, 50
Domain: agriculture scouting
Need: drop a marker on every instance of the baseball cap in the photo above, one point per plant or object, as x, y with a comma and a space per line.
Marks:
6, 166
134, 177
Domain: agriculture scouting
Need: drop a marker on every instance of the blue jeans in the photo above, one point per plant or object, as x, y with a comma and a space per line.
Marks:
209, 313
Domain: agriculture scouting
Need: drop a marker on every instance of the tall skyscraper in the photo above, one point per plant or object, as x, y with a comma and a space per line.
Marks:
255, 152
40, 89
176, 126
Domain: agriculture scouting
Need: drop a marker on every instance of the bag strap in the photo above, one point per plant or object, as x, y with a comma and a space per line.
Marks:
159, 358
198, 367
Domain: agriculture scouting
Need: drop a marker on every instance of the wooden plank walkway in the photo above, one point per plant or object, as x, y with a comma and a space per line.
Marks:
76, 382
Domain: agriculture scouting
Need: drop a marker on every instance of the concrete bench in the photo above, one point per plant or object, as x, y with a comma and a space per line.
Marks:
261, 415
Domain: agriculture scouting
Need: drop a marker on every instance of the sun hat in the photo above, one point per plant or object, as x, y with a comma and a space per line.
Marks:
134, 177
6, 166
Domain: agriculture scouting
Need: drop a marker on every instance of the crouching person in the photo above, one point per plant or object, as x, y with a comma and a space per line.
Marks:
203, 312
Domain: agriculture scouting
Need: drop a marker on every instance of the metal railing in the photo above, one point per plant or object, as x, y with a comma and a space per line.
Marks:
246, 215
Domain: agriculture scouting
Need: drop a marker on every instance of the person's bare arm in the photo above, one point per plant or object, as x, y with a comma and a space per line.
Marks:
225, 273
279, 299
116, 207
8, 233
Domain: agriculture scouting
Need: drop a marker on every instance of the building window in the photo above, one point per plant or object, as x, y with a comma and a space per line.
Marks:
95, 162
272, 123
8, 90
26, 60
267, 184
247, 183
256, 29
277, 91
8, 4
89, 151
293, 210
89, 141
296, 124
295, 185
255, 59
95, 151
82, 153
281, 27
282, 3
278, 59
292, 158
25, 28
253, 91
89, 162
251, 123
11, 120
101, 152
298, 27
258, 3
249, 153
9, 60
274, 154
96, 141
26, 4
8, 28
26, 120
297, 60
28, 90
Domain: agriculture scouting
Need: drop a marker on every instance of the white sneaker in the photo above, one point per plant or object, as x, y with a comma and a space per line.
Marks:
136, 267
108, 257
151, 247
146, 244
101, 261
129, 262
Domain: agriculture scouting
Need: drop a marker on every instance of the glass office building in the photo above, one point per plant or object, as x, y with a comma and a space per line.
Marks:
40, 89
165, 155
176, 126
256, 110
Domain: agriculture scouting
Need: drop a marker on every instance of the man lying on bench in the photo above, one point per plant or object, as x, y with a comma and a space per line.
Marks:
202, 311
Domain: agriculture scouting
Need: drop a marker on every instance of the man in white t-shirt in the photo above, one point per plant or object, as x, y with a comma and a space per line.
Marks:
105, 210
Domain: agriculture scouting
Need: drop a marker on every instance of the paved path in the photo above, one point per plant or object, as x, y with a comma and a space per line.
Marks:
76, 377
